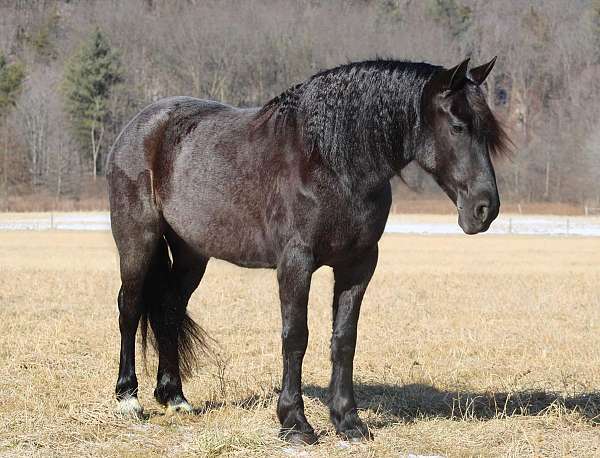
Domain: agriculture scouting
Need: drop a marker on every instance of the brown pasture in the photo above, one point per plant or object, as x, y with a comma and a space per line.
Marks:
486, 345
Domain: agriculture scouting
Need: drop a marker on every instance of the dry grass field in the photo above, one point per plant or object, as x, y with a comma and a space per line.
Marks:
468, 346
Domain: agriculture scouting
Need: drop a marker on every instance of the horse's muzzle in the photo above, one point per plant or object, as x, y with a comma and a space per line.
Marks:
475, 214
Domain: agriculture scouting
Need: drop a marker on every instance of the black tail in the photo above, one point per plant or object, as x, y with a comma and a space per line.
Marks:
165, 309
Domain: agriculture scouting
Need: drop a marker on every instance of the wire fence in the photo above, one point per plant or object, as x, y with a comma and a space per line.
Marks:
517, 225
398, 224
55, 221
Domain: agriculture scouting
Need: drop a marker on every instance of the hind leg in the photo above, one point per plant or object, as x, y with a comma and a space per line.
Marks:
173, 329
136, 228
134, 259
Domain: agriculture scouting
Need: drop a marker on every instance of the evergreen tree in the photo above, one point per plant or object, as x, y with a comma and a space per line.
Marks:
594, 22
456, 17
90, 77
11, 80
389, 12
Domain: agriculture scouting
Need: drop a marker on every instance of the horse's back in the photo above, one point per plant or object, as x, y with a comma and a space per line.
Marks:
139, 143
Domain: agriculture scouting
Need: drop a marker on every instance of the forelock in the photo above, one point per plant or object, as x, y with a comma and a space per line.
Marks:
486, 126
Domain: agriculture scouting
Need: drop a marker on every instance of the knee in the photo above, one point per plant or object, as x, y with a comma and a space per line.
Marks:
294, 338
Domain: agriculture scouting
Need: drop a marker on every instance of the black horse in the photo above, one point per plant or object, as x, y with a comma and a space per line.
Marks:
300, 183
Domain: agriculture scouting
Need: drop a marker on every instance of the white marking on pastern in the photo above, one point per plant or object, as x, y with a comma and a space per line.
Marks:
131, 407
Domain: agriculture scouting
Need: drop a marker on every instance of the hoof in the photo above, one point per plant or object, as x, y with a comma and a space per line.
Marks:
131, 407
181, 406
352, 429
357, 435
298, 437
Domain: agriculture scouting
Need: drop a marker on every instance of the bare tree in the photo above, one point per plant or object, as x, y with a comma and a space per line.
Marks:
544, 86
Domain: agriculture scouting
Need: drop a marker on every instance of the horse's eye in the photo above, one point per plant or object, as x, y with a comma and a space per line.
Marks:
457, 128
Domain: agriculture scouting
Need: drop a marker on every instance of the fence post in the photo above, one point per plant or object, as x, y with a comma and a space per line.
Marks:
567, 226
510, 225
51, 220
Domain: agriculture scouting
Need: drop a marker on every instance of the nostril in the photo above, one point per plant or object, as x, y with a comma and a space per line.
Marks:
481, 211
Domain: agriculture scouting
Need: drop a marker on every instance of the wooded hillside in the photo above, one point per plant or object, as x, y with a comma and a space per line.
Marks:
73, 72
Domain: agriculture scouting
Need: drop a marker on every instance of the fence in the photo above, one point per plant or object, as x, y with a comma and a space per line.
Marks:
517, 225
399, 224
55, 221
591, 210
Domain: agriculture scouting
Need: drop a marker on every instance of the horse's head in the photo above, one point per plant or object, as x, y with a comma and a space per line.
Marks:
462, 135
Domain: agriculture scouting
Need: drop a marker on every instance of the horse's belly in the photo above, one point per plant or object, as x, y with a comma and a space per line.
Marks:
243, 250
231, 238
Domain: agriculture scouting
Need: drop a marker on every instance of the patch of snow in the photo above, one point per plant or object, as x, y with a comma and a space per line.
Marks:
397, 224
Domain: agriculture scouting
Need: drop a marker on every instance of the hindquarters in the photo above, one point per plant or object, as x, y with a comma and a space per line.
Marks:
154, 289
141, 158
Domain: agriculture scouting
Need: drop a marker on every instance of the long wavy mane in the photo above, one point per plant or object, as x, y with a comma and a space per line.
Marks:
370, 109
364, 108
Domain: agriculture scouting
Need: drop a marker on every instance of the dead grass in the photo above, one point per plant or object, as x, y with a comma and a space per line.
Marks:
467, 346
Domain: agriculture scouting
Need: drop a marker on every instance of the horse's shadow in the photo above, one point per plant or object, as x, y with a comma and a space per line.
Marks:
407, 403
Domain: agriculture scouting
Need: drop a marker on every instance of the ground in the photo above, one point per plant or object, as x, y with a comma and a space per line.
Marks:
485, 345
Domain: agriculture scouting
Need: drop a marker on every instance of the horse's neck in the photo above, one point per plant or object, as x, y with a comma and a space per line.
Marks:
370, 170
365, 175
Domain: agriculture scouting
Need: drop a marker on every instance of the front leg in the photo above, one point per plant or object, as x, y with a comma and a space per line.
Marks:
294, 274
350, 285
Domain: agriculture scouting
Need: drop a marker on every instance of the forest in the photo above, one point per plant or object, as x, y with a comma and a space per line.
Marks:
73, 72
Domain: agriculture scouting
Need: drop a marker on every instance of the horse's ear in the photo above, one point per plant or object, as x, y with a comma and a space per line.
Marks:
454, 78
479, 74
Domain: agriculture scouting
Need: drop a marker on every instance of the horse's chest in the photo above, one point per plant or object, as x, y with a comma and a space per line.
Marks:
356, 229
